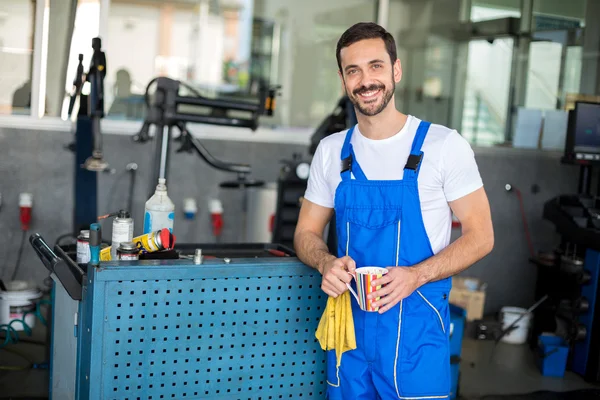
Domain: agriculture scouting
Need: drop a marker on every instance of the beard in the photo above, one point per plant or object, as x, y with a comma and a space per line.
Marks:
371, 109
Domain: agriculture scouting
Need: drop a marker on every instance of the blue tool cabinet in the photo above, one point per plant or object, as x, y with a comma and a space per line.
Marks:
174, 330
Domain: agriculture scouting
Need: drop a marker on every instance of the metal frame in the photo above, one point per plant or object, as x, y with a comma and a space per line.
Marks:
383, 12
40, 55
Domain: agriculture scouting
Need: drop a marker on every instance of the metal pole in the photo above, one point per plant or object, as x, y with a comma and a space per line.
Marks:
383, 11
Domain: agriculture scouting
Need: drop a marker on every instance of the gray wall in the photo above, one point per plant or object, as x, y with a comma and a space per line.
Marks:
36, 162
507, 271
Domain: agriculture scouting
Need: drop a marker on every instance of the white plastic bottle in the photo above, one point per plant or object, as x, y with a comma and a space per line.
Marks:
160, 210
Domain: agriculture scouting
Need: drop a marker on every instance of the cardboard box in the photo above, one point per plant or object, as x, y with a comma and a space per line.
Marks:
468, 293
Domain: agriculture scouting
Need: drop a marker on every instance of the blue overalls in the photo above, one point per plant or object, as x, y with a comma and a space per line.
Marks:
404, 352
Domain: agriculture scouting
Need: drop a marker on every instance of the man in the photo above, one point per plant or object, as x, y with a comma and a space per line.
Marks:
393, 181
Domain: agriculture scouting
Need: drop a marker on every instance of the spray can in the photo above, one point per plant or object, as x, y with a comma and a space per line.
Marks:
148, 243
155, 241
83, 247
159, 211
122, 231
128, 251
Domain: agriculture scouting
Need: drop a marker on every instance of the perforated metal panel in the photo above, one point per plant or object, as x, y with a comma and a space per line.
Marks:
227, 332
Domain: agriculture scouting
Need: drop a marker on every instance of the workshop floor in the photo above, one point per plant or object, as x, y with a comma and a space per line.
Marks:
508, 369
511, 370
25, 383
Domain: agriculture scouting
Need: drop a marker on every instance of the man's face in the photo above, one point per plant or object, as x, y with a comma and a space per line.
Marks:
368, 76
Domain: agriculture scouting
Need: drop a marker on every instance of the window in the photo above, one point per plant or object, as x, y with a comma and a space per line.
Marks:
229, 48
16, 55
483, 10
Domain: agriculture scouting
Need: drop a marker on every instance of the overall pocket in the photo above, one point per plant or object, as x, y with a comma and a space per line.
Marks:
373, 236
423, 367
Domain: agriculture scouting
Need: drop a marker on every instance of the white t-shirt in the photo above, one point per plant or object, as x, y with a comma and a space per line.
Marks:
448, 171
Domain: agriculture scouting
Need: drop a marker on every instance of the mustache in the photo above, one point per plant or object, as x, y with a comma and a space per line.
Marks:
370, 88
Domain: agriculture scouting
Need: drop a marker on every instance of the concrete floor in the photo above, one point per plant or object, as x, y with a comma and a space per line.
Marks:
511, 370
24, 383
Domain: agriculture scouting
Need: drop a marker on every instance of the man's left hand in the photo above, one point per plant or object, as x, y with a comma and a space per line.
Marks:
398, 283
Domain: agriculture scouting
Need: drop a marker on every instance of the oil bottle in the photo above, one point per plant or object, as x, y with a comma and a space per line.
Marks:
160, 210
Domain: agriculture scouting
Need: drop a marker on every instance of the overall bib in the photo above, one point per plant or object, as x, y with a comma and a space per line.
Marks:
404, 352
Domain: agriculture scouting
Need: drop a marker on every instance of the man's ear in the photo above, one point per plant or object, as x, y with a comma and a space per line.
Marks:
397, 71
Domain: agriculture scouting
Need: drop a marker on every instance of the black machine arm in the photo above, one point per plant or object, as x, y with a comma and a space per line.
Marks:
164, 112
68, 272
189, 142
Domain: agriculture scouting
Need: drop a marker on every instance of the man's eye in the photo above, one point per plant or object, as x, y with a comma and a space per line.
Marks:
351, 71
376, 65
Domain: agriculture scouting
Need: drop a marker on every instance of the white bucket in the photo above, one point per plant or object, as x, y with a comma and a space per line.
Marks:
16, 301
520, 331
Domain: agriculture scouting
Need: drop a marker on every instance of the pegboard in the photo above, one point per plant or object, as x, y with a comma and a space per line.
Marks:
212, 332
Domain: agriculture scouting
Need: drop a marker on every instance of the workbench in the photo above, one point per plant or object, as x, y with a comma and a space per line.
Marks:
229, 328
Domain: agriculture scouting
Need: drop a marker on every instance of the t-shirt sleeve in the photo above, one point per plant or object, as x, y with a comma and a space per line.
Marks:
460, 173
317, 190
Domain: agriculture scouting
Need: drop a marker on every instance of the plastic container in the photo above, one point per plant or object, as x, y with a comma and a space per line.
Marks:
519, 332
122, 231
19, 298
262, 205
160, 210
552, 355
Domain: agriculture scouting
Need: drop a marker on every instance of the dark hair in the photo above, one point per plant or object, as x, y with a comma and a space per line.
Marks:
362, 31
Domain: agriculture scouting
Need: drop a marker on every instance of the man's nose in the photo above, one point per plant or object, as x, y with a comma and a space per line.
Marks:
367, 79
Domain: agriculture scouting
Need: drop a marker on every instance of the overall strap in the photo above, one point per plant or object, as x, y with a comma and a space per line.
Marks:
411, 169
349, 163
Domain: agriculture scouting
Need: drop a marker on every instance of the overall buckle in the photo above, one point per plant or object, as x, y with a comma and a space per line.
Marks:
413, 161
347, 164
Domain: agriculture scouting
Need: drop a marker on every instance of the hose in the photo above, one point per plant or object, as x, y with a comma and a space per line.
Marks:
30, 363
16, 368
12, 337
19, 255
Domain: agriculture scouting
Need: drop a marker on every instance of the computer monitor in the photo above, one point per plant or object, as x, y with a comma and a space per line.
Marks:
587, 128
583, 133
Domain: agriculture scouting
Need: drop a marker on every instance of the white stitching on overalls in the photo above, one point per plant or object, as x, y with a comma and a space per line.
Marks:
337, 369
397, 349
434, 309
398, 244
347, 236
399, 316
399, 327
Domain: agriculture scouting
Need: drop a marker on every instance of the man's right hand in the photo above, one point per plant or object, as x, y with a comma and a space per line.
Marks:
337, 272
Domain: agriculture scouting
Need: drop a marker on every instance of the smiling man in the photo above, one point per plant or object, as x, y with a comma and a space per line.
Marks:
394, 182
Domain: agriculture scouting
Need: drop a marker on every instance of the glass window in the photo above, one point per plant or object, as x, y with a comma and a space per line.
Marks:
16, 55
427, 35
555, 15
483, 10
229, 48
553, 71
487, 91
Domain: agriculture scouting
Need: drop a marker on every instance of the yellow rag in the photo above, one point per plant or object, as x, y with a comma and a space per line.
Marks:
336, 327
